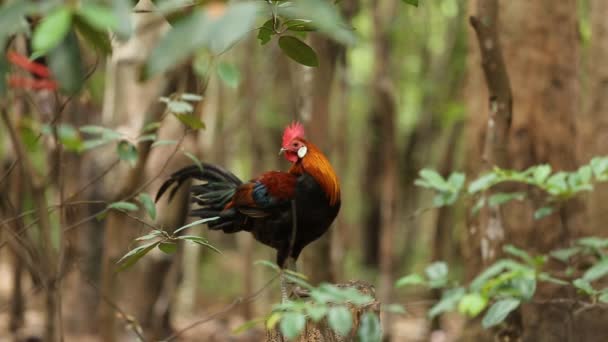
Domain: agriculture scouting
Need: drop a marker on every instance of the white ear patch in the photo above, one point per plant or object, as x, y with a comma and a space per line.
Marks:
302, 151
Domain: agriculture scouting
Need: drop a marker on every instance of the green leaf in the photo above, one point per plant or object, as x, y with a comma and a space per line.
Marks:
300, 25
127, 152
548, 278
216, 34
273, 319
369, 328
190, 121
433, 180
152, 235
584, 286
247, 326
411, 2
52, 30
412, 279
128, 206
340, 320
520, 253
266, 32
134, 255
499, 311
194, 159
148, 204
437, 274
192, 224
167, 247
394, 308
316, 312
543, 212
65, 63
199, 241
268, 264
69, 138
482, 183
297, 50
191, 97
502, 198
180, 107
229, 74
494, 270
597, 271
292, 324
99, 17
541, 173
448, 302
12, 17
603, 297
472, 304
324, 15
565, 254
98, 40
593, 242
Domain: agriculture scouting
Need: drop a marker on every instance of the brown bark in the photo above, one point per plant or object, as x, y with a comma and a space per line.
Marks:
540, 49
593, 123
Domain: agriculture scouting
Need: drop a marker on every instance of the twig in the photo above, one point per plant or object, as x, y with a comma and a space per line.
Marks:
238, 301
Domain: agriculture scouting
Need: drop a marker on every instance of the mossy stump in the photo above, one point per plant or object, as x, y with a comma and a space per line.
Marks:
320, 331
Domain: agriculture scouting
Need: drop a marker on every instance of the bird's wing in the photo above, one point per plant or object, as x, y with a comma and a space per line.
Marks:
260, 196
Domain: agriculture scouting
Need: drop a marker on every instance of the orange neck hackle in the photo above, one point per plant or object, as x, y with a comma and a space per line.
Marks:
316, 164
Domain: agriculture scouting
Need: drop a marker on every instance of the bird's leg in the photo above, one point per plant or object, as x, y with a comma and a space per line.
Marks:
286, 285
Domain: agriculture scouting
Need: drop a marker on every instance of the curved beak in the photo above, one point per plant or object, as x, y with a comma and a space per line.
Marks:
282, 150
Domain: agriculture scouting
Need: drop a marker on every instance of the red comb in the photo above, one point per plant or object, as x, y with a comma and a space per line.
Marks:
292, 131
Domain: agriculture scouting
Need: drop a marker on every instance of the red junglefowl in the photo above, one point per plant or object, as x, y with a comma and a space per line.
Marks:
264, 205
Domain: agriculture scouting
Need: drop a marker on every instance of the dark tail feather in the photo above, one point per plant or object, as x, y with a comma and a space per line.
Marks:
216, 178
212, 195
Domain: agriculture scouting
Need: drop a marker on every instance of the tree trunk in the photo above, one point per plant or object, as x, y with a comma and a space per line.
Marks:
593, 123
539, 44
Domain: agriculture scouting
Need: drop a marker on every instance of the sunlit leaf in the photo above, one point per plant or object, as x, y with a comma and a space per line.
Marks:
266, 32
195, 223
317, 312
69, 138
268, 264
194, 159
584, 286
298, 51
199, 241
190, 121
247, 325
412, 279
148, 204
340, 320
99, 17
292, 324
52, 30
370, 329
499, 311
229, 74
127, 152
134, 255
272, 320
448, 302
128, 206
472, 304
597, 271
167, 247
437, 274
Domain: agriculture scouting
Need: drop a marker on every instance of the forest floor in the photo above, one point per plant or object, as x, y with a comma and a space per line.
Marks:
409, 327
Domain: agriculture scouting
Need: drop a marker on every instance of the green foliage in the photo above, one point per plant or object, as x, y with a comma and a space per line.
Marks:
508, 282
558, 187
51, 31
298, 51
229, 74
165, 241
179, 105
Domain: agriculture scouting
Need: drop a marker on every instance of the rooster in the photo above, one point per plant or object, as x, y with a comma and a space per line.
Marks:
265, 206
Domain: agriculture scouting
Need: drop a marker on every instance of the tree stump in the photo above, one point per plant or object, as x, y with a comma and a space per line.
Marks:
320, 331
